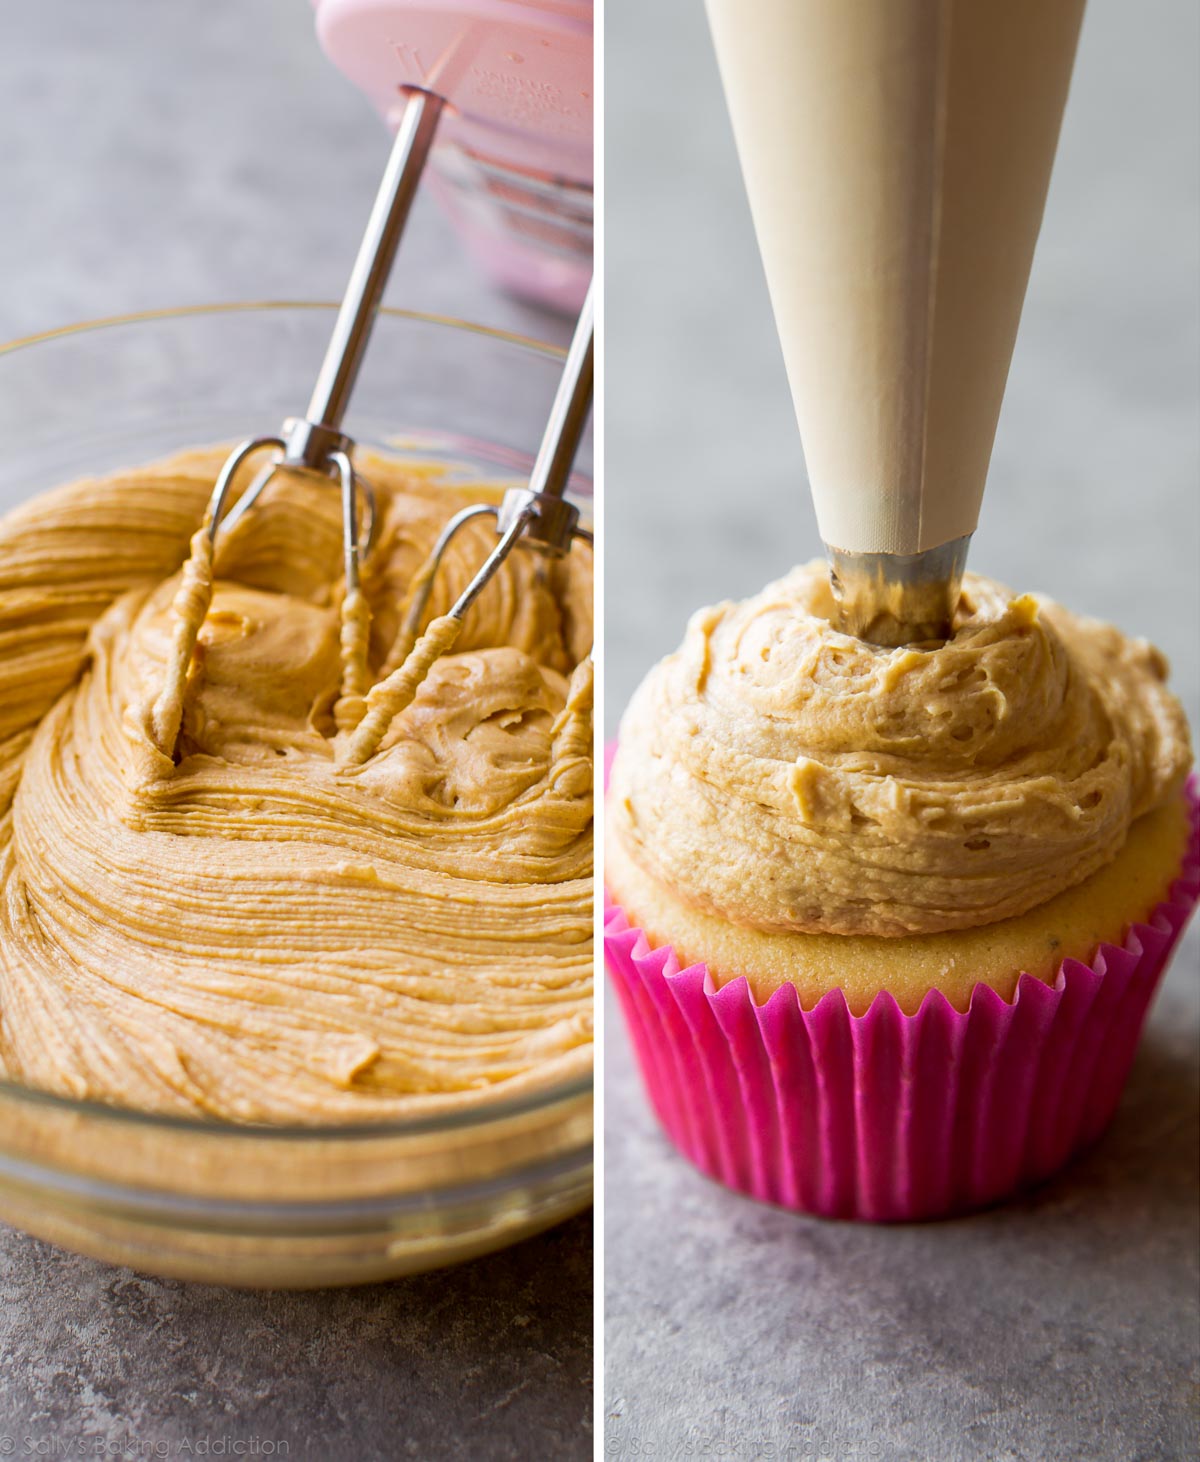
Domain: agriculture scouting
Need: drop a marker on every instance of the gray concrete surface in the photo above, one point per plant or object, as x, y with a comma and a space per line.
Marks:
157, 155
1066, 1325
490, 1360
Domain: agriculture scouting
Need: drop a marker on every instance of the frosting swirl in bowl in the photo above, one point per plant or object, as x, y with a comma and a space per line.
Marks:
254, 929
791, 778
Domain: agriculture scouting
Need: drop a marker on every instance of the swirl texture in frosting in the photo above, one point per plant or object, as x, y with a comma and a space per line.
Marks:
790, 778
254, 927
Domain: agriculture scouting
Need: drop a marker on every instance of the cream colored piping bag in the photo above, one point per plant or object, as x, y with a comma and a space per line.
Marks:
897, 155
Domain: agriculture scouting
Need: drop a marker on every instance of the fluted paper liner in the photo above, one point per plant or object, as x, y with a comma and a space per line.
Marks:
887, 1116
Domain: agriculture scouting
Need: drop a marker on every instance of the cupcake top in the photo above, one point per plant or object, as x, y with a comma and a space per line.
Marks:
791, 778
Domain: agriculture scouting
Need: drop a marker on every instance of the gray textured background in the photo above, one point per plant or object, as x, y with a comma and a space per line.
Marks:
1063, 1326
157, 155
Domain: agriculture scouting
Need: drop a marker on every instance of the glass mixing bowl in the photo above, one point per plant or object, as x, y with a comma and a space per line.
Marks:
280, 1206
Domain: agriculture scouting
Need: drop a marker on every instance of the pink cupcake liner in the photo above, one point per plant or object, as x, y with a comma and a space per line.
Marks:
886, 1116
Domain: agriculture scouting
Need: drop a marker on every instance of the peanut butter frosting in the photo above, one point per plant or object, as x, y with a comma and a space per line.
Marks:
789, 778
225, 911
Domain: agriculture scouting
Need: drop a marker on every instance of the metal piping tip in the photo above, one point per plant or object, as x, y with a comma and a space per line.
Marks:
894, 599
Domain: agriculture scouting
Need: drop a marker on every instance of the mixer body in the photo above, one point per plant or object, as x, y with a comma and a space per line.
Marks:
512, 164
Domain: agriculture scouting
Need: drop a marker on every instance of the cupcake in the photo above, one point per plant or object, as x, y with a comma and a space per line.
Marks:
886, 922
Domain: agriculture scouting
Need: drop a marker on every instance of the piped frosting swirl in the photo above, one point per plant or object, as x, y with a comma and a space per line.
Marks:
791, 778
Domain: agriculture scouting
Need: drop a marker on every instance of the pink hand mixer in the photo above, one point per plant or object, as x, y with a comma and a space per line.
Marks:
512, 80
512, 163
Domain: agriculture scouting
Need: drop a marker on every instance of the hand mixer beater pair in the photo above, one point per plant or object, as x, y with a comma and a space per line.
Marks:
537, 515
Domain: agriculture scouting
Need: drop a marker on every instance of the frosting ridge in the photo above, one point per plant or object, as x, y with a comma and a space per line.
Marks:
791, 778
252, 928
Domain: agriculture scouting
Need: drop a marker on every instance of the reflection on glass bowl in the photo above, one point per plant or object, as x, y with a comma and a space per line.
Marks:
278, 1206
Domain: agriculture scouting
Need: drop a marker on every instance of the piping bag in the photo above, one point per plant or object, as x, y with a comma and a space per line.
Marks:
897, 155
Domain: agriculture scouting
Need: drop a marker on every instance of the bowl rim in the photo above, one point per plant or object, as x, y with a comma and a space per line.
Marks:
480, 1113
228, 307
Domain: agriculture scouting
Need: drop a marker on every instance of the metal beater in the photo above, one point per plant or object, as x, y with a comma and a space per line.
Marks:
538, 516
316, 443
